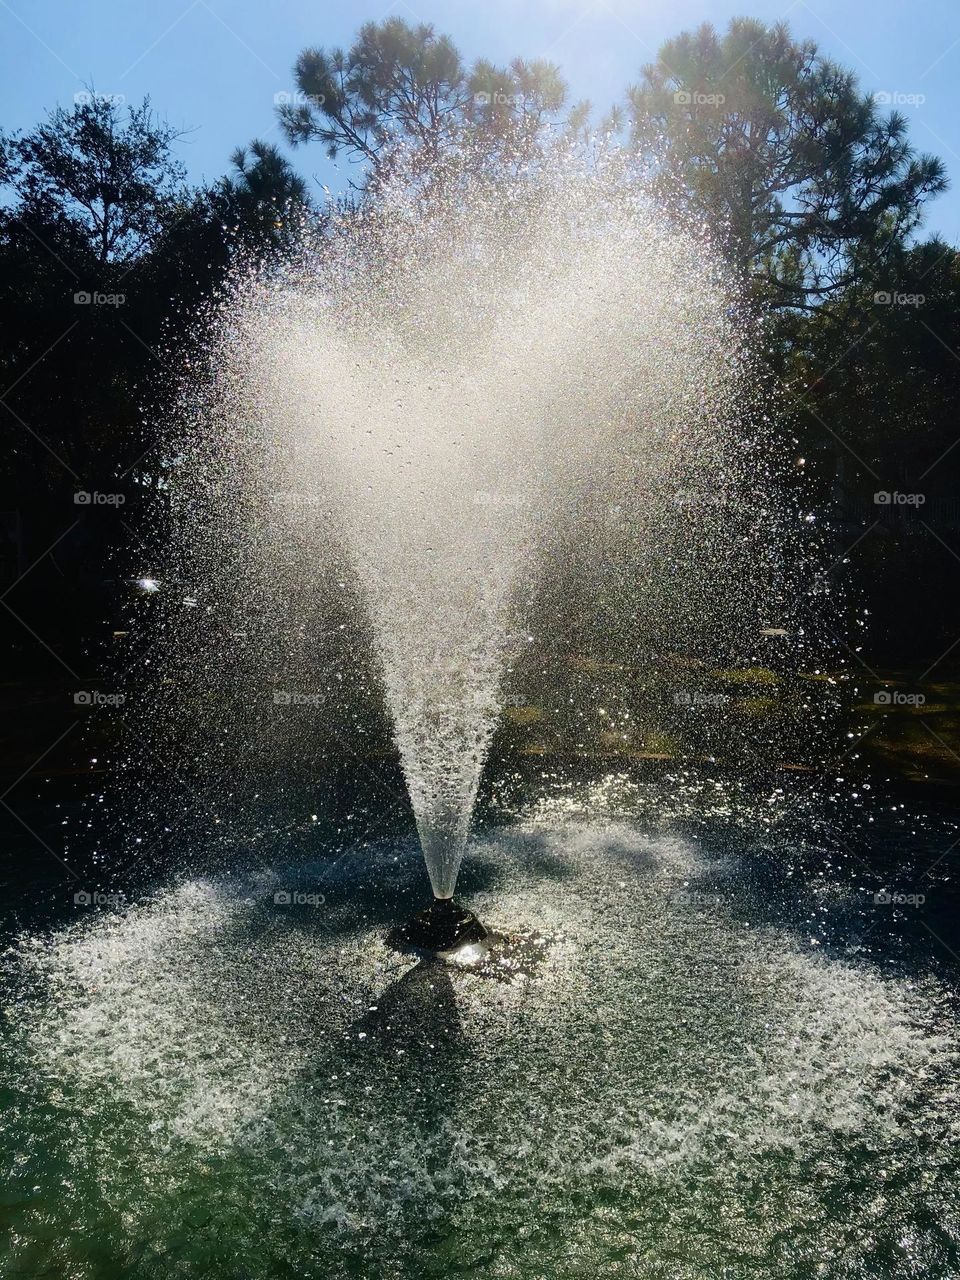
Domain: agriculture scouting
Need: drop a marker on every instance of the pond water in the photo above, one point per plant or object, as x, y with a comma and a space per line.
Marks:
736, 1056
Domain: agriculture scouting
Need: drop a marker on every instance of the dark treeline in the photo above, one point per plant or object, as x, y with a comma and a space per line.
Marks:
808, 184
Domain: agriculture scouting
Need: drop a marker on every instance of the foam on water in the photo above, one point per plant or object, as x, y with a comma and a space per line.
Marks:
213, 1080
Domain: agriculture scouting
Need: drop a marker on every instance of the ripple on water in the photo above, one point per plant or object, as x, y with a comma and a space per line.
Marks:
211, 1080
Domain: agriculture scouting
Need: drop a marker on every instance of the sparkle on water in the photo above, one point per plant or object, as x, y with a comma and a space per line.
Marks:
215, 1083
474, 429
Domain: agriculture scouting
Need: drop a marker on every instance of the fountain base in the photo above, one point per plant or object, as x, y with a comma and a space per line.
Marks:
443, 927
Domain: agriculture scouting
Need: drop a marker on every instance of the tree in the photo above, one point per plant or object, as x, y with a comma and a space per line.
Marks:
261, 201
106, 261
764, 139
876, 366
263, 178
871, 382
101, 176
91, 191
402, 93
98, 209
90, 194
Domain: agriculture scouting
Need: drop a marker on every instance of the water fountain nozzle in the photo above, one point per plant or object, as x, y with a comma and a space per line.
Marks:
445, 926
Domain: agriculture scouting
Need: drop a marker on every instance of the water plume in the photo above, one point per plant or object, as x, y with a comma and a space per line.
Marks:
453, 399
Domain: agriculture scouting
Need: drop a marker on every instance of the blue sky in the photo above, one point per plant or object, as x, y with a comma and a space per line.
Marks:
212, 67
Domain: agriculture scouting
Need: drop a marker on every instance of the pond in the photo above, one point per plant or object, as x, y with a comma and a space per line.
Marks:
735, 1055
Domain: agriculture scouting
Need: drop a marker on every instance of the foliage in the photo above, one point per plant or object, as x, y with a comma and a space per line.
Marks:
807, 184
100, 180
811, 190
403, 94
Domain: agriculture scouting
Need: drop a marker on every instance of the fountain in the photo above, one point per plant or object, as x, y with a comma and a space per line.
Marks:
441, 454
452, 400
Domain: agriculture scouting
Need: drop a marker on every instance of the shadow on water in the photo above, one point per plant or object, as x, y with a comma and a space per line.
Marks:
299, 1100
375, 889
418, 1014
881, 891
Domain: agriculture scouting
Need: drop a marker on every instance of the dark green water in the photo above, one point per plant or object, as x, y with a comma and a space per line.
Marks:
732, 1062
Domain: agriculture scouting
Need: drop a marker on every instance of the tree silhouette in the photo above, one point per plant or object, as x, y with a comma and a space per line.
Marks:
402, 95
806, 183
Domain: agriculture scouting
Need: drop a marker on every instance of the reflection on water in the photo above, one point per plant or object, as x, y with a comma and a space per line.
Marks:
697, 1081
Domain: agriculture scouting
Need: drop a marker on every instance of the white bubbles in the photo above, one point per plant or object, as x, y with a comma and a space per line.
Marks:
291, 1085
